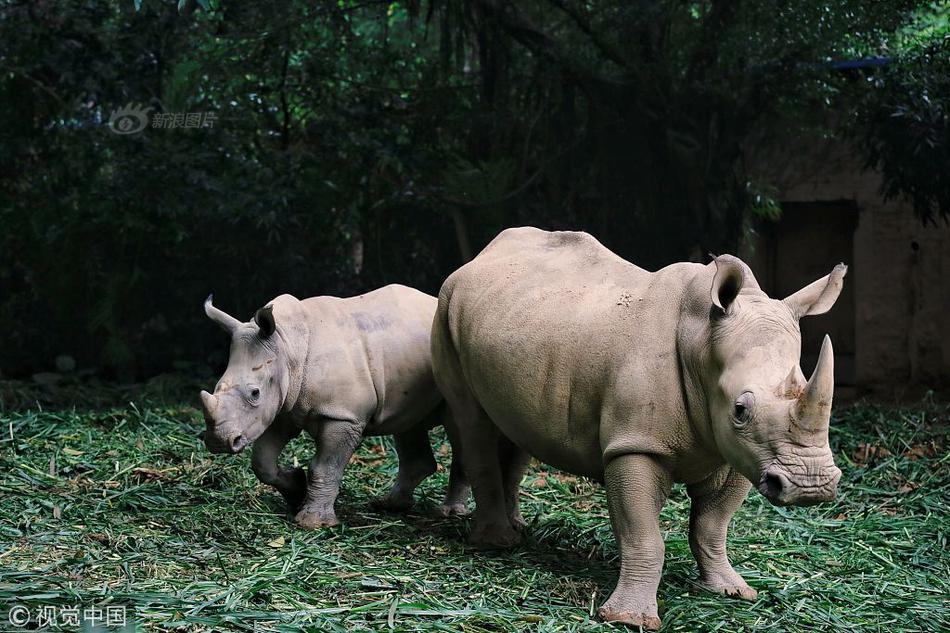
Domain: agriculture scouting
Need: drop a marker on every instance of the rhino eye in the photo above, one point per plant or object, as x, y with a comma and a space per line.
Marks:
255, 393
742, 409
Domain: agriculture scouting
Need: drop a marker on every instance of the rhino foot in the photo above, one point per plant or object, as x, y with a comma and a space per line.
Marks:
517, 521
629, 618
311, 520
392, 503
727, 582
737, 590
452, 510
494, 535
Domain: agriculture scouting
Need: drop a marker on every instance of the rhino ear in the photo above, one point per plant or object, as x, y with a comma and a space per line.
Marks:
727, 282
818, 296
265, 321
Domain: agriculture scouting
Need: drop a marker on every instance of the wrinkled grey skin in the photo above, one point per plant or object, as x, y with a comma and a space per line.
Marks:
338, 369
549, 344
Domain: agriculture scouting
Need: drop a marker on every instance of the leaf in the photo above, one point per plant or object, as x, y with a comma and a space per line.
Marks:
277, 542
866, 453
72, 452
138, 4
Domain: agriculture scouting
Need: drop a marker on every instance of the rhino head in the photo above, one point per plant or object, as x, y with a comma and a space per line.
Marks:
252, 390
768, 421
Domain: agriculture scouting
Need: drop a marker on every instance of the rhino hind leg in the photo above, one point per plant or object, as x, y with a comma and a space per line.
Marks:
416, 463
514, 461
492, 525
477, 437
456, 497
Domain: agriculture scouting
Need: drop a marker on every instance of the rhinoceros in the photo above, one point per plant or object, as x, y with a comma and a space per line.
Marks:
339, 369
548, 344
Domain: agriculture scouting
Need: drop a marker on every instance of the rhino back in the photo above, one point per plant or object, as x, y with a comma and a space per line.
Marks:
553, 329
369, 356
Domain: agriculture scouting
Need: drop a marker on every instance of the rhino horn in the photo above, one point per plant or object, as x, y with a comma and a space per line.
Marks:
227, 322
814, 405
210, 402
791, 387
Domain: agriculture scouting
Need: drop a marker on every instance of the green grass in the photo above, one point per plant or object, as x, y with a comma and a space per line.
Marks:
123, 505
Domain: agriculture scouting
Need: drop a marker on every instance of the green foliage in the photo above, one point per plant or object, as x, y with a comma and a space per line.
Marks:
361, 143
192, 541
905, 129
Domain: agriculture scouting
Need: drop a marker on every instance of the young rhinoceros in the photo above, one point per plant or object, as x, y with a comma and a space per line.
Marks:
550, 344
338, 369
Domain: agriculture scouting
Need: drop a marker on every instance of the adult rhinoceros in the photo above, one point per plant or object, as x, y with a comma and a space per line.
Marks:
339, 369
551, 345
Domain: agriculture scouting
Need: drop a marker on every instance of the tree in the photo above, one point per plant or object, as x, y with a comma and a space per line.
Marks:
364, 142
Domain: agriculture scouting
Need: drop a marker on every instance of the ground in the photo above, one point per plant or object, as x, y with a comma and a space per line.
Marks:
123, 506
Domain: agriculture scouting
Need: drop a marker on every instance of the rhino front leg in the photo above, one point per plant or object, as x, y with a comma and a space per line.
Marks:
714, 501
290, 482
336, 442
416, 462
637, 487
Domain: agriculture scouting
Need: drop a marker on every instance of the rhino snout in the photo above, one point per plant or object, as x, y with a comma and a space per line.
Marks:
781, 489
225, 442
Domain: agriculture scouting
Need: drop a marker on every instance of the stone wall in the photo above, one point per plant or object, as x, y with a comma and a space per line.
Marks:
901, 269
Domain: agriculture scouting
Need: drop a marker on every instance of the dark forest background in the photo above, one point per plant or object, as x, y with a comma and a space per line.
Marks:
363, 143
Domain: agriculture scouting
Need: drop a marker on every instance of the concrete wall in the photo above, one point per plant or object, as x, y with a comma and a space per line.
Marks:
901, 270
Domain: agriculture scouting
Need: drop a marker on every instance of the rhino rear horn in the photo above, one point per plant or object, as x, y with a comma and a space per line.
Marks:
814, 405
227, 322
265, 321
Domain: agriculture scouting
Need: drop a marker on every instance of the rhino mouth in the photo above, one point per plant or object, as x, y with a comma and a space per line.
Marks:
221, 438
782, 488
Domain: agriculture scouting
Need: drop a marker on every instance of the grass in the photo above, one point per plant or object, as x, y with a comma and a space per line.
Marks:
123, 505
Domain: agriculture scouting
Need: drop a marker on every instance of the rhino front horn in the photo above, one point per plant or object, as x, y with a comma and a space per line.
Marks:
815, 403
210, 402
227, 322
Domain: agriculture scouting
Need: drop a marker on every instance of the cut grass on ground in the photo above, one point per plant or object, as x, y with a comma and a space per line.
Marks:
125, 506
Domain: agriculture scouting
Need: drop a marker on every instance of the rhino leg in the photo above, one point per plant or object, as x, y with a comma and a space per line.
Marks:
479, 440
290, 482
714, 501
456, 497
514, 461
336, 442
416, 462
637, 487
